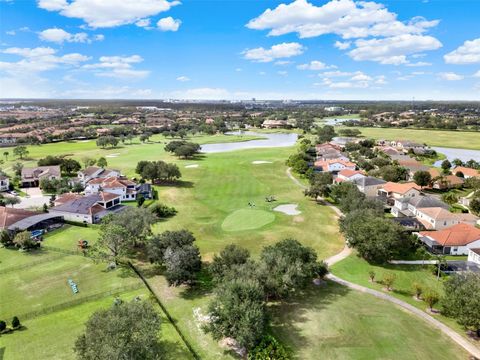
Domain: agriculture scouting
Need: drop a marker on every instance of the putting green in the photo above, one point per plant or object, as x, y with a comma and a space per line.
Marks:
247, 219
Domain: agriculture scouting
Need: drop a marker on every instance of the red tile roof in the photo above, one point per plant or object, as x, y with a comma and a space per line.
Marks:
466, 171
457, 235
400, 188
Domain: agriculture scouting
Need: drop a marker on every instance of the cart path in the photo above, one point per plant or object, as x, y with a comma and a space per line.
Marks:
452, 334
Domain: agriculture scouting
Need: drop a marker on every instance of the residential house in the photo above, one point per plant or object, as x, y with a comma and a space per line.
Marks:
88, 209
31, 176
369, 185
348, 175
392, 190
333, 165
127, 189
438, 218
275, 124
4, 183
448, 182
408, 206
406, 145
94, 172
474, 255
454, 240
329, 151
13, 219
467, 172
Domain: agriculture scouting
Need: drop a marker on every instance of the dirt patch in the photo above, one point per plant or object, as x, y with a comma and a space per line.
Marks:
288, 209
298, 219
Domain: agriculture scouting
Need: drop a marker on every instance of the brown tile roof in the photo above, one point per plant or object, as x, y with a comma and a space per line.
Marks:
107, 196
9, 216
437, 213
62, 199
466, 171
456, 235
476, 250
400, 188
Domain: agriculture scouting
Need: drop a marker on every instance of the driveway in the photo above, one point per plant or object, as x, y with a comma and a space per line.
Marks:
34, 198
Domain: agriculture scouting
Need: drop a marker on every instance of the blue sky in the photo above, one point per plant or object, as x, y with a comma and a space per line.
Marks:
336, 49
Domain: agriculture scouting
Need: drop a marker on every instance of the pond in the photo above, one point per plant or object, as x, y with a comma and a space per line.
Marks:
336, 121
455, 153
270, 140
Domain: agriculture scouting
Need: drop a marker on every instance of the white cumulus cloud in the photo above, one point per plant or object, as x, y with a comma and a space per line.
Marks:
39, 59
279, 51
450, 76
183, 78
314, 65
468, 53
108, 13
371, 23
347, 18
118, 67
169, 24
60, 36
392, 50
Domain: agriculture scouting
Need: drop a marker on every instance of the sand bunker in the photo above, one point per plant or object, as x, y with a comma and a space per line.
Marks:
85, 141
112, 155
257, 162
191, 166
288, 209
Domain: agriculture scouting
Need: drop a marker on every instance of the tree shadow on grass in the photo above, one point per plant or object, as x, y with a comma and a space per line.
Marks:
286, 315
175, 350
202, 286
176, 184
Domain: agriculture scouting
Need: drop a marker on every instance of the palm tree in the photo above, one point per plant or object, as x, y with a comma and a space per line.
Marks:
6, 153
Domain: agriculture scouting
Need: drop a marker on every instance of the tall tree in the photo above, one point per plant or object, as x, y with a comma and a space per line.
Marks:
232, 255
376, 239
113, 242
20, 151
238, 311
125, 331
422, 178
462, 300
288, 267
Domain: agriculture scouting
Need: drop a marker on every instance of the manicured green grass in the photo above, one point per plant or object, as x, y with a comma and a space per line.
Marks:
45, 285
34, 287
212, 194
327, 322
247, 219
451, 139
355, 269
68, 236
52, 336
333, 322
124, 157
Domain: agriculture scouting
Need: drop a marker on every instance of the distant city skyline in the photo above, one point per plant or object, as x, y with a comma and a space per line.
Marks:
238, 50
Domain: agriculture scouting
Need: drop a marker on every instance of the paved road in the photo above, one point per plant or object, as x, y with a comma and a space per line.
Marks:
464, 343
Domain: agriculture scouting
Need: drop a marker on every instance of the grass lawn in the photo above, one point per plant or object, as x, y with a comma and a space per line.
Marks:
123, 157
53, 316
213, 204
44, 285
355, 269
333, 322
52, 336
68, 236
451, 139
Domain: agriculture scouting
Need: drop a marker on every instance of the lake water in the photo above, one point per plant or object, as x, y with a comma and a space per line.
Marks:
334, 121
454, 153
271, 140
